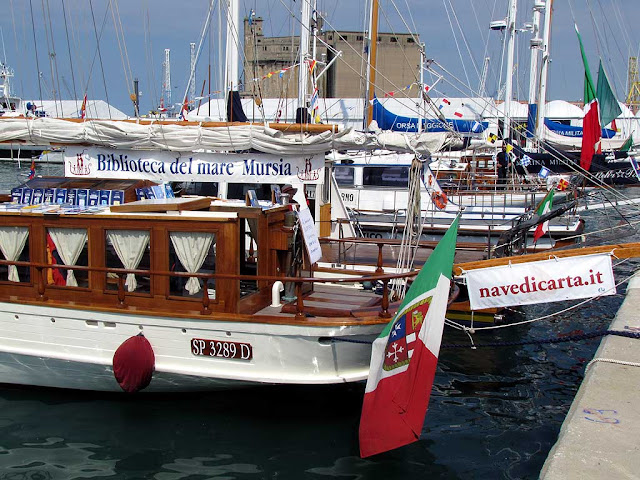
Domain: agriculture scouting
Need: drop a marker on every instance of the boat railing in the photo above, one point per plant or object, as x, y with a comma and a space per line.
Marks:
299, 281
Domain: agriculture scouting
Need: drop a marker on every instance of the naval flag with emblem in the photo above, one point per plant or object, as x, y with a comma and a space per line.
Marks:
405, 355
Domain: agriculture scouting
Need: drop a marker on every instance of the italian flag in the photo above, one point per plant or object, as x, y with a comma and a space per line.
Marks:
591, 132
405, 355
545, 207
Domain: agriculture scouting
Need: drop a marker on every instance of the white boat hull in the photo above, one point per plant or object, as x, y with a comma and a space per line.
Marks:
69, 348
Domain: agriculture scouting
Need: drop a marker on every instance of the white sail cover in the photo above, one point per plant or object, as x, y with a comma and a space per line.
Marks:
132, 135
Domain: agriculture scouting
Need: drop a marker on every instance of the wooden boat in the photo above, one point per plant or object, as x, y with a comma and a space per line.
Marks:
62, 324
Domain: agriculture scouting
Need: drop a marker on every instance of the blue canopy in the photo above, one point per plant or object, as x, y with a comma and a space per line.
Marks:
390, 121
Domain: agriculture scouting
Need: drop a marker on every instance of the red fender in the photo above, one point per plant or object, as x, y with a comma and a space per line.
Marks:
134, 363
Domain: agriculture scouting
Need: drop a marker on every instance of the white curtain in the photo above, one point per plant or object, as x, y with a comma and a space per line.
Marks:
69, 242
192, 249
130, 246
12, 242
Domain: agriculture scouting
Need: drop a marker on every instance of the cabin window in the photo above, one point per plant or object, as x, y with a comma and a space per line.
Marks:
390, 176
67, 246
192, 252
359, 38
393, 40
410, 40
128, 249
14, 247
345, 176
238, 191
203, 189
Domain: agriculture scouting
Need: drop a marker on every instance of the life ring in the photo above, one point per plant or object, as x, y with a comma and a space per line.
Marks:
439, 199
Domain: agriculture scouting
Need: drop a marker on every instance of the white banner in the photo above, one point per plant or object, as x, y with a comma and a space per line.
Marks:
541, 282
163, 166
310, 236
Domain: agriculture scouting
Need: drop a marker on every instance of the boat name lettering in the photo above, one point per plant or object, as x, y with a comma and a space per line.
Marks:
253, 167
215, 168
201, 347
347, 197
163, 166
627, 173
122, 163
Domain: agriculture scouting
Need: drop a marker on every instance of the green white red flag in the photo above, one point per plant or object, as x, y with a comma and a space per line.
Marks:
545, 207
607, 101
405, 355
591, 132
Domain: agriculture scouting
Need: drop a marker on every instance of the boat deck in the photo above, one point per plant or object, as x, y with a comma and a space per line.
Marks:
361, 252
331, 301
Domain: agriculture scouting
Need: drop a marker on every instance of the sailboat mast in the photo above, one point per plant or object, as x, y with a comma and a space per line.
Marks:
544, 69
373, 47
303, 69
511, 32
233, 21
535, 44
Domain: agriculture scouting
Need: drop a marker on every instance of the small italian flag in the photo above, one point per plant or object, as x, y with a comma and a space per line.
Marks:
405, 355
545, 207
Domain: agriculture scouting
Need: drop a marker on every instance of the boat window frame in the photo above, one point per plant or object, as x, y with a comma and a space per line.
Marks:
136, 293
217, 235
87, 248
21, 270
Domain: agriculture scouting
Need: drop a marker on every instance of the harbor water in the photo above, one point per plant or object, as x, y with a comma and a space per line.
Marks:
494, 413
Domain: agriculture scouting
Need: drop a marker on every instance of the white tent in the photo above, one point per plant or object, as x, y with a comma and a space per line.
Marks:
562, 110
71, 109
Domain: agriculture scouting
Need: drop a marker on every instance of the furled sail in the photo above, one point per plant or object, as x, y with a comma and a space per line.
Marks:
196, 136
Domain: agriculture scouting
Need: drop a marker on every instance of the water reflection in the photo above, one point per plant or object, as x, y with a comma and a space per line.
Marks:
53, 459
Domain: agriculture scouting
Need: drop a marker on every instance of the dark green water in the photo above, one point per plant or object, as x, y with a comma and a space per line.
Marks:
494, 413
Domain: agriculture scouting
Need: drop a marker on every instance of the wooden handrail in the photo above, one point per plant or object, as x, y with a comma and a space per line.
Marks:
620, 250
395, 242
298, 281
224, 276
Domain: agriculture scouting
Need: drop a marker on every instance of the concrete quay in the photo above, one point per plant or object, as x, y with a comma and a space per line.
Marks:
600, 438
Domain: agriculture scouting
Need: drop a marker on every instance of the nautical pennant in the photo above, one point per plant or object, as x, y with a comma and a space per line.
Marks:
562, 185
83, 109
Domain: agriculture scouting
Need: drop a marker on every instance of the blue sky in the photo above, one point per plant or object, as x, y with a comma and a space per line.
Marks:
608, 27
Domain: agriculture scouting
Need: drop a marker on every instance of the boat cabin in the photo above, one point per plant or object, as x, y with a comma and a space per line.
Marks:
141, 254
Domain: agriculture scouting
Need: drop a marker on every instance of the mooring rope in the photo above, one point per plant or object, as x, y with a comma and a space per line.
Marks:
543, 341
611, 360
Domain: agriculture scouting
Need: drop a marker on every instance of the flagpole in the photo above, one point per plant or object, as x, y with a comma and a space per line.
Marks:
373, 48
544, 69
